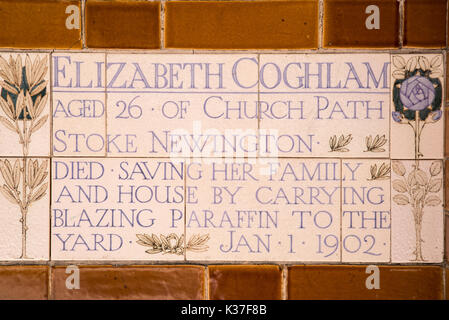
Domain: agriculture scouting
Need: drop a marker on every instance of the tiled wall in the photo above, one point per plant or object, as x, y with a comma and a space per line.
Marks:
96, 54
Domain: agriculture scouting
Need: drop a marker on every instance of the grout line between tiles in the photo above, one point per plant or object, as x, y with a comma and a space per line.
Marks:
106, 146
401, 23
390, 107
162, 24
50, 162
445, 297
341, 211
391, 220
209, 262
50, 288
284, 283
258, 99
83, 24
206, 283
164, 51
185, 209
320, 23
217, 158
284, 267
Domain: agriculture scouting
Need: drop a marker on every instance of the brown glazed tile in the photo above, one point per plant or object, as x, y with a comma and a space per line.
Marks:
131, 282
123, 25
446, 218
425, 23
348, 282
243, 282
447, 284
241, 25
23, 282
344, 24
446, 232
37, 24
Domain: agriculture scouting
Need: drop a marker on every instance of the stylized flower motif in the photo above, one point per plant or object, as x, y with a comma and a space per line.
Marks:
417, 190
23, 99
173, 244
417, 93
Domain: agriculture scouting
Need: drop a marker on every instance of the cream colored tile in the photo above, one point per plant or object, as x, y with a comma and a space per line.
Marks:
417, 88
366, 210
24, 80
117, 209
323, 105
79, 112
24, 213
264, 211
417, 211
182, 105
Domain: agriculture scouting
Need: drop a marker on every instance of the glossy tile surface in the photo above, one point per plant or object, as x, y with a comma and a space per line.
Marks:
24, 282
349, 282
24, 219
123, 24
25, 82
79, 104
40, 24
266, 149
361, 24
131, 283
182, 105
324, 105
117, 209
240, 24
366, 219
277, 211
425, 23
447, 281
417, 211
446, 221
261, 282
446, 135
224, 157
417, 119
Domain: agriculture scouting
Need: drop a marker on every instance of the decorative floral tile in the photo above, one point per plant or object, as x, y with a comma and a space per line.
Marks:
24, 102
417, 123
117, 209
182, 105
24, 213
276, 210
79, 104
366, 210
325, 105
417, 211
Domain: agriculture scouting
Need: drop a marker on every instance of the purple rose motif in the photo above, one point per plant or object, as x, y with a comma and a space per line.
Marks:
417, 93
